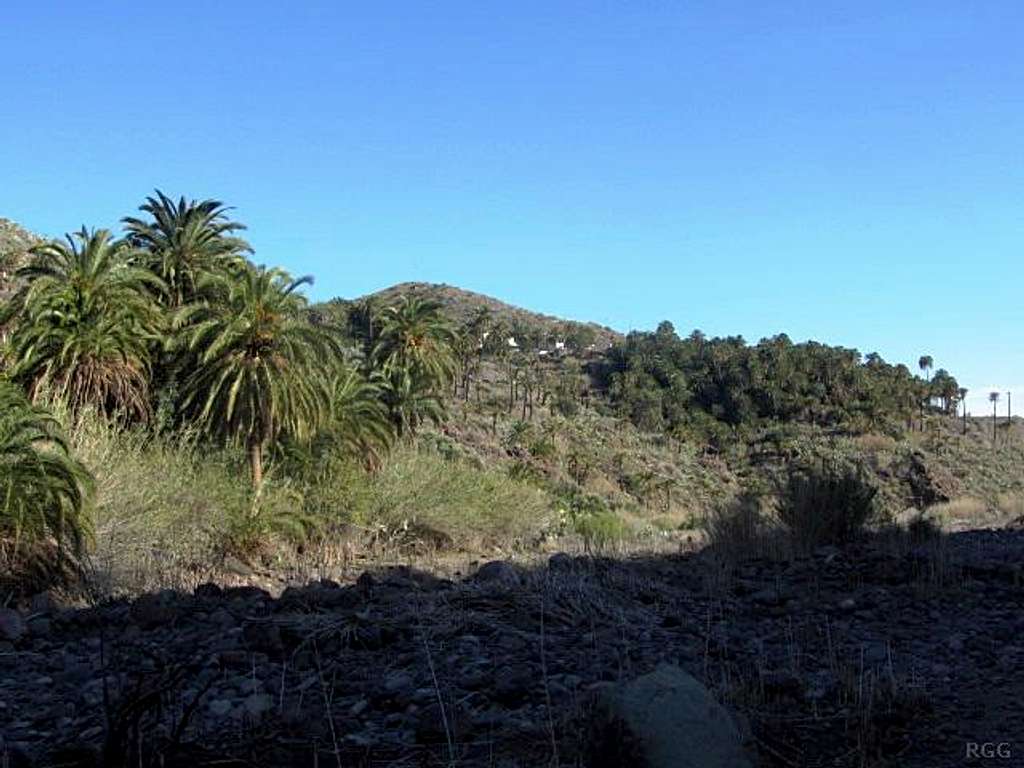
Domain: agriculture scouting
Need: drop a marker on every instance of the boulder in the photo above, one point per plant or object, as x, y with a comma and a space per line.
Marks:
664, 719
498, 572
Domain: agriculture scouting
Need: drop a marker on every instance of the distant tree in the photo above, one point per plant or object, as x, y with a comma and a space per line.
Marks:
925, 363
944, 387
993, 397
963, 404
262, 368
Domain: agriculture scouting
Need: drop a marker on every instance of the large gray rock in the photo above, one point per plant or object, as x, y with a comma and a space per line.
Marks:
665, 719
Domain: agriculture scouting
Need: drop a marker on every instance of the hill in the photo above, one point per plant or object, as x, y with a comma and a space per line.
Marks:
461, 305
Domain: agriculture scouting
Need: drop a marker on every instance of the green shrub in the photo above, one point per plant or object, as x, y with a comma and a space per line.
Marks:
419, 495
166, 510
821, 507
44, 491
601, 530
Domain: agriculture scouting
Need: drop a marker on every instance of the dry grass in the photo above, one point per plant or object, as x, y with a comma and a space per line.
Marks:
743, 529
1011, 506
875, 443
961, 513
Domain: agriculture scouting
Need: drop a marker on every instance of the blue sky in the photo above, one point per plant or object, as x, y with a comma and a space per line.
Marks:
851, 172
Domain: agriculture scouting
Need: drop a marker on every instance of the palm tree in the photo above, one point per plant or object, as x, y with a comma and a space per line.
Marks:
86, 322
44, 492
963, 403
183, 241
411, 400
262, 368
359, 419
925, 363
416, 338
993, 397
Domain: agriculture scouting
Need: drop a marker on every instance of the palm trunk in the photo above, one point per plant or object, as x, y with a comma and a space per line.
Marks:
256, 462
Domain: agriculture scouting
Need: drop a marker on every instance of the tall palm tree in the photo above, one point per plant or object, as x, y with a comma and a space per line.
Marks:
925, 363
85, 324
963, 403
44, 492
262, 368
993, 397
184, 240
415, 337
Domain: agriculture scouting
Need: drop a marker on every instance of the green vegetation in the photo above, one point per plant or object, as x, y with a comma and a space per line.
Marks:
216, 412
44, 492
723, 388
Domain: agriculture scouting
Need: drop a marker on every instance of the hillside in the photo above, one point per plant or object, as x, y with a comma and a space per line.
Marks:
461, 305
14, 244
482, 555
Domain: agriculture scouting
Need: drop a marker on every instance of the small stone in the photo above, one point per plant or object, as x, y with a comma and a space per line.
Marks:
847, 605
12, 626
358, 708
219, 707
768, 597
258, 704
91, 733
398, 683
40, 627
263, 636
512, 684
876, 653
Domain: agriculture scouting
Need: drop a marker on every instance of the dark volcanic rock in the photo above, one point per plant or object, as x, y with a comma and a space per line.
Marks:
852, 651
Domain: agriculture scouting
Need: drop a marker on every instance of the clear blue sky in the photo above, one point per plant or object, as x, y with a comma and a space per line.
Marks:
851, 172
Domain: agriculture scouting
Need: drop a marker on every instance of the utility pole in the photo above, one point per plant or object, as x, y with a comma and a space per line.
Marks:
994, 398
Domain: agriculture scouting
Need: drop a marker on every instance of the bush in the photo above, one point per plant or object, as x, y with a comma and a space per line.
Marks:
739, 529
166, 510
420, 496
821, 507
44, 491
600, 530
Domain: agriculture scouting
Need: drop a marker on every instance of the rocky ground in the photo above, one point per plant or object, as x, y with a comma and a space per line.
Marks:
878, 654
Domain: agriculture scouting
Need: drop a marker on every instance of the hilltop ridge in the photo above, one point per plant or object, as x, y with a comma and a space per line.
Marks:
460, 304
